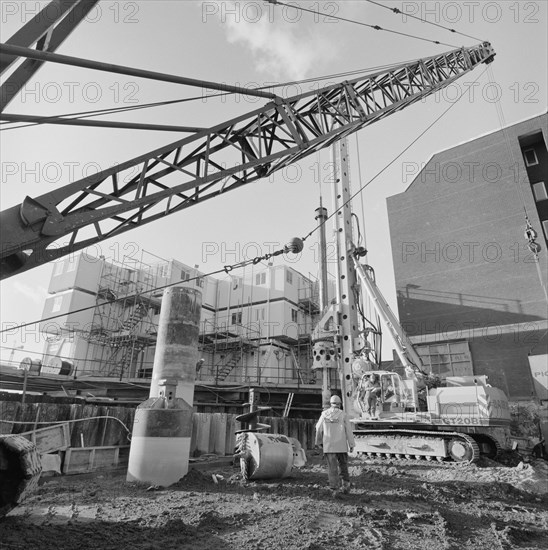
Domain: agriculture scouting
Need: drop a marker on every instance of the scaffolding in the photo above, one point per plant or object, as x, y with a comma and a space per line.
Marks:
309, 305
229, 349
235, 345
236, 353
124, 322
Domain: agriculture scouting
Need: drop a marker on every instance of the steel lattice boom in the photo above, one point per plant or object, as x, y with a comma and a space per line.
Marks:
216, 160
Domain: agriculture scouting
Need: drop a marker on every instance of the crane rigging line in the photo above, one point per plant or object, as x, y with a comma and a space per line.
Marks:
510, 152
375, 27
396, 11
253, 261
98, 112
361, 189
521, 195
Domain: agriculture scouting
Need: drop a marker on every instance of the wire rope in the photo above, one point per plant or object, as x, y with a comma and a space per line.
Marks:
228, 268
411, 16
375, 27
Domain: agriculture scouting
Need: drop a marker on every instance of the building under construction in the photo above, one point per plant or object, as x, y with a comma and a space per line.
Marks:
101, 322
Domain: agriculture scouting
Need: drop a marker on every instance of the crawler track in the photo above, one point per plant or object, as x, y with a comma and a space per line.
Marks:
415, 444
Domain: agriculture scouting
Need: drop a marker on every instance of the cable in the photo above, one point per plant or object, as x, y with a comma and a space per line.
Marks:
375, 27
114, 110
57, 422
26, 350
355, 217
397, 12
360, 190
228, 268
231, 388
361, 194
98, 112
502, 122
529, 231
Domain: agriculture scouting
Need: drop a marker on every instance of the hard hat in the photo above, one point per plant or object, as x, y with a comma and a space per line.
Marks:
335, 400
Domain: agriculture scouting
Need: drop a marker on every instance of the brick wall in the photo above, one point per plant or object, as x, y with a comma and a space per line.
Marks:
460, 256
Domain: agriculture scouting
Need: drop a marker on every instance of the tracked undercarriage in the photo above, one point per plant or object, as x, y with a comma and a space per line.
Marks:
456, 423
428, 445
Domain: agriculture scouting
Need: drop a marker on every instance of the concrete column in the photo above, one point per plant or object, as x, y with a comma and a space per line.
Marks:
162, 428
177, 343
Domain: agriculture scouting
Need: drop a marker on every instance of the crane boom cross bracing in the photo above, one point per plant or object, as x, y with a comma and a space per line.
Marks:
195, 168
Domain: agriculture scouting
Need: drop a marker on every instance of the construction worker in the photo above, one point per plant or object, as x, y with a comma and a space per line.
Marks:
334, 434
371, 389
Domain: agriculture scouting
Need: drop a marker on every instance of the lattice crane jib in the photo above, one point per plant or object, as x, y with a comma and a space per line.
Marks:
215, 160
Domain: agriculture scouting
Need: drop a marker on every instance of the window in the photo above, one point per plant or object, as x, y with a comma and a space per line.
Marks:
259, 314
539, 190
163, 270
260, 278
545, 227
57, 303
200, 282
237, 318
72, 263
530, 157
59, 267
289, 277
185, 275
294, 315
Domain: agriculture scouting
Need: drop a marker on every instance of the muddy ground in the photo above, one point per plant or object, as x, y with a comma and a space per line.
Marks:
393, 505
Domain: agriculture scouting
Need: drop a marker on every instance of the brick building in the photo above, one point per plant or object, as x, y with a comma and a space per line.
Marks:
471, 293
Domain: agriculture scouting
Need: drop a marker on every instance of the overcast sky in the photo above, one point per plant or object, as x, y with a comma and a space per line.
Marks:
254, 44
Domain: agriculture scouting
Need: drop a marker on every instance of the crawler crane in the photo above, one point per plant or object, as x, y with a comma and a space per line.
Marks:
209, 162
456, 422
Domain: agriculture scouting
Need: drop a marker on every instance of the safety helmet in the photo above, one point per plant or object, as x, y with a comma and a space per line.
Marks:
335, 400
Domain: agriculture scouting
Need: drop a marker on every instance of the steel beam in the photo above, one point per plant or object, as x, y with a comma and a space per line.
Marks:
42, 31
97, 123
214, 161
129, 71
36, 28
